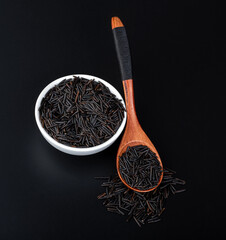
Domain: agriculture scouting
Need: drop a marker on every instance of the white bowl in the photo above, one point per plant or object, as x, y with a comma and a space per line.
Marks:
74, 150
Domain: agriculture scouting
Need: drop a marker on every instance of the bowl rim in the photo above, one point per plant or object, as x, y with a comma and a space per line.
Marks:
93, 149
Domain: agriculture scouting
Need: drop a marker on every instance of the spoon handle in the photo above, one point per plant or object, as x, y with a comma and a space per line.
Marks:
123, 53
122, 48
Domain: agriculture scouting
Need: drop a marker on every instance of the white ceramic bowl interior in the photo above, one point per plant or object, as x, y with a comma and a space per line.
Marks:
74, 150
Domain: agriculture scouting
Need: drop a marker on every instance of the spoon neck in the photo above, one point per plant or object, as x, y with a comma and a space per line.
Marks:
129, 99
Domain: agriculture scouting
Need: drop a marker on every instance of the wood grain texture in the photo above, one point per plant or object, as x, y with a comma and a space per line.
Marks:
116, 22
134, 134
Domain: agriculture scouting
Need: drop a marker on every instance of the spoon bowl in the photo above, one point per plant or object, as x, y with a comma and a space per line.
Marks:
122, 149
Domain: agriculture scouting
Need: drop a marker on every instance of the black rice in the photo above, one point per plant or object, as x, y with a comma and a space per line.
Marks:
141, 207
140, 167
81, 113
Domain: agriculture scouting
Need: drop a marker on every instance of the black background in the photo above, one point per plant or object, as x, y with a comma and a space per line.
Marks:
178, 52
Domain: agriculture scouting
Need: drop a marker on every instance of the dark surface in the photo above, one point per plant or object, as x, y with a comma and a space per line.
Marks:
178, 51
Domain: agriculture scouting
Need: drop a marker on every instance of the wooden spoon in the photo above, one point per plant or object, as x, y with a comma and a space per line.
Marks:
134, 134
